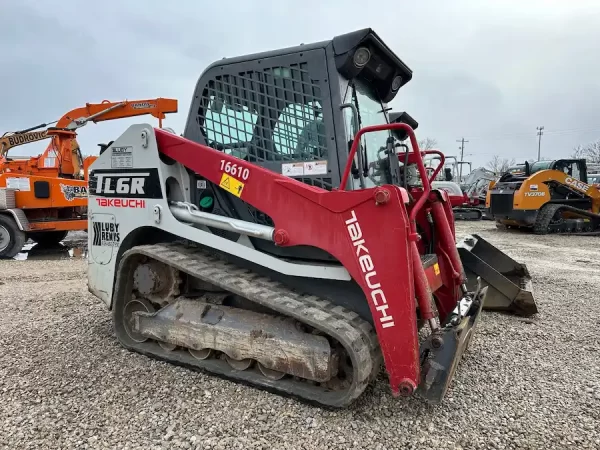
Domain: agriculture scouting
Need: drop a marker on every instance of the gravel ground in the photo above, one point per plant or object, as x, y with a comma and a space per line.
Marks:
66, 383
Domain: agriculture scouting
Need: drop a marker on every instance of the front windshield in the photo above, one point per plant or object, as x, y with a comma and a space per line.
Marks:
370, 112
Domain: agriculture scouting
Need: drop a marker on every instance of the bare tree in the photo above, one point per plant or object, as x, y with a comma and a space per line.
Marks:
428, 144
499, 165
589, 151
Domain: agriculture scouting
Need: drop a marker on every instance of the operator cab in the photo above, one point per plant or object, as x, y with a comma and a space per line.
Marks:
575, 168
295, 111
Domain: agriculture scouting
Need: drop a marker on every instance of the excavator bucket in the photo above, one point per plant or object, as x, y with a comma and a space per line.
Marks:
509, 284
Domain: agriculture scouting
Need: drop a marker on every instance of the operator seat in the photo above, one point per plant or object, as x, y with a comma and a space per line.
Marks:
103, 147
311, 140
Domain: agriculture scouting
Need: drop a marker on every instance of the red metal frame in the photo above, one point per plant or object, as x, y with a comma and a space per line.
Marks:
346, 224
422, 289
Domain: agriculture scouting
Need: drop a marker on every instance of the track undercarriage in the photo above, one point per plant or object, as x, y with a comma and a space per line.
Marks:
237, 324
557, 218
467, 213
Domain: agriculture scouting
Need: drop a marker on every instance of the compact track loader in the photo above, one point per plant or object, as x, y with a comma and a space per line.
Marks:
264, 246
548, 197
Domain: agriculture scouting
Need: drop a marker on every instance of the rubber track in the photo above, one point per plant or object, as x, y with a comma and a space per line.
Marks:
547, 212
356, 335
467, 214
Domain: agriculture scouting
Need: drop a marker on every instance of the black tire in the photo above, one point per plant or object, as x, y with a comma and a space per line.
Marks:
47, 237
11, 238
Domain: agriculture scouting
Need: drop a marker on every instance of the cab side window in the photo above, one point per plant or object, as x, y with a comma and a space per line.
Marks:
300, 132
229, 127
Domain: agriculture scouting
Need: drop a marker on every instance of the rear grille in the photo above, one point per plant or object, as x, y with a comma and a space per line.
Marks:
501, 204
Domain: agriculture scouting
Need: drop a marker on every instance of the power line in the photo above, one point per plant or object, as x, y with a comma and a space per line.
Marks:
510, 135
462, 153
540, 132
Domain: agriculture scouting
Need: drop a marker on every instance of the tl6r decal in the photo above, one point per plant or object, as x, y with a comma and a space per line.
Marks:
106, 234
126, 183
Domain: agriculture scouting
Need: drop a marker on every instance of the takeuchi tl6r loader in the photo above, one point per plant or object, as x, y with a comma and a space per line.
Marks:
264, 247
43, 198
549, 197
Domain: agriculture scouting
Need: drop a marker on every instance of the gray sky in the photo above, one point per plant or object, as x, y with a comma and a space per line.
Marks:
490, 71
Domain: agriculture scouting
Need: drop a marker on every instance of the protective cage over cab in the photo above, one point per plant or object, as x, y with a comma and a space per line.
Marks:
281, 109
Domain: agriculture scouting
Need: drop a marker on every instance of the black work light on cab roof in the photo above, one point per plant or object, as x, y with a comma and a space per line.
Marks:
362, 54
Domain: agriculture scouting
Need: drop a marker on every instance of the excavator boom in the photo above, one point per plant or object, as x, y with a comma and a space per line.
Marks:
97, 112
46, 196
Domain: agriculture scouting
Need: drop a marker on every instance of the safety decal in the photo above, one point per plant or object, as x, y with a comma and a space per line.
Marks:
106, 234
72, 192
436, 268
231, 185
18, 184
304, 168
121, 157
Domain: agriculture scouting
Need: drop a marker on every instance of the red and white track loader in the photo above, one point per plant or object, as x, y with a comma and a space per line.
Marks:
263, 246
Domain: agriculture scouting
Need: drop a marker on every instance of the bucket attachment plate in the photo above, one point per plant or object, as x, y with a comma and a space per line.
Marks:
509, 282
443, 350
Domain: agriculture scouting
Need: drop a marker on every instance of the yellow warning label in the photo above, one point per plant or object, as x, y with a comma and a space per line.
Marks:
436, 268
232, 185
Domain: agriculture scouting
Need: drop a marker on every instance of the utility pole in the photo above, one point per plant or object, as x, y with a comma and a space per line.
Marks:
540, 131
462, 153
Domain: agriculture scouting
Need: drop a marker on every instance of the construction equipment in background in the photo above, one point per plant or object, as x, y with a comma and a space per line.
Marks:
517, 170
43, 198
550, 197
463, 207
476, 185
300, 265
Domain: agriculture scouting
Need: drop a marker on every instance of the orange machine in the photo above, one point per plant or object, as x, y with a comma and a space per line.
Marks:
45, 197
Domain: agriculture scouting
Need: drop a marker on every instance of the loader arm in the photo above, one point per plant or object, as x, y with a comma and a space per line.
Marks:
301, 214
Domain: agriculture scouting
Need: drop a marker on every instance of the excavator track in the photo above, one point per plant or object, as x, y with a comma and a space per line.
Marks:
342, 328
547, 221
467, 213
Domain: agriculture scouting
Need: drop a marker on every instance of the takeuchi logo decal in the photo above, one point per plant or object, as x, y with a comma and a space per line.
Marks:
73, 192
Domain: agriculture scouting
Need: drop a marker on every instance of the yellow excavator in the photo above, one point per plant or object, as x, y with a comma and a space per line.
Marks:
549, 197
